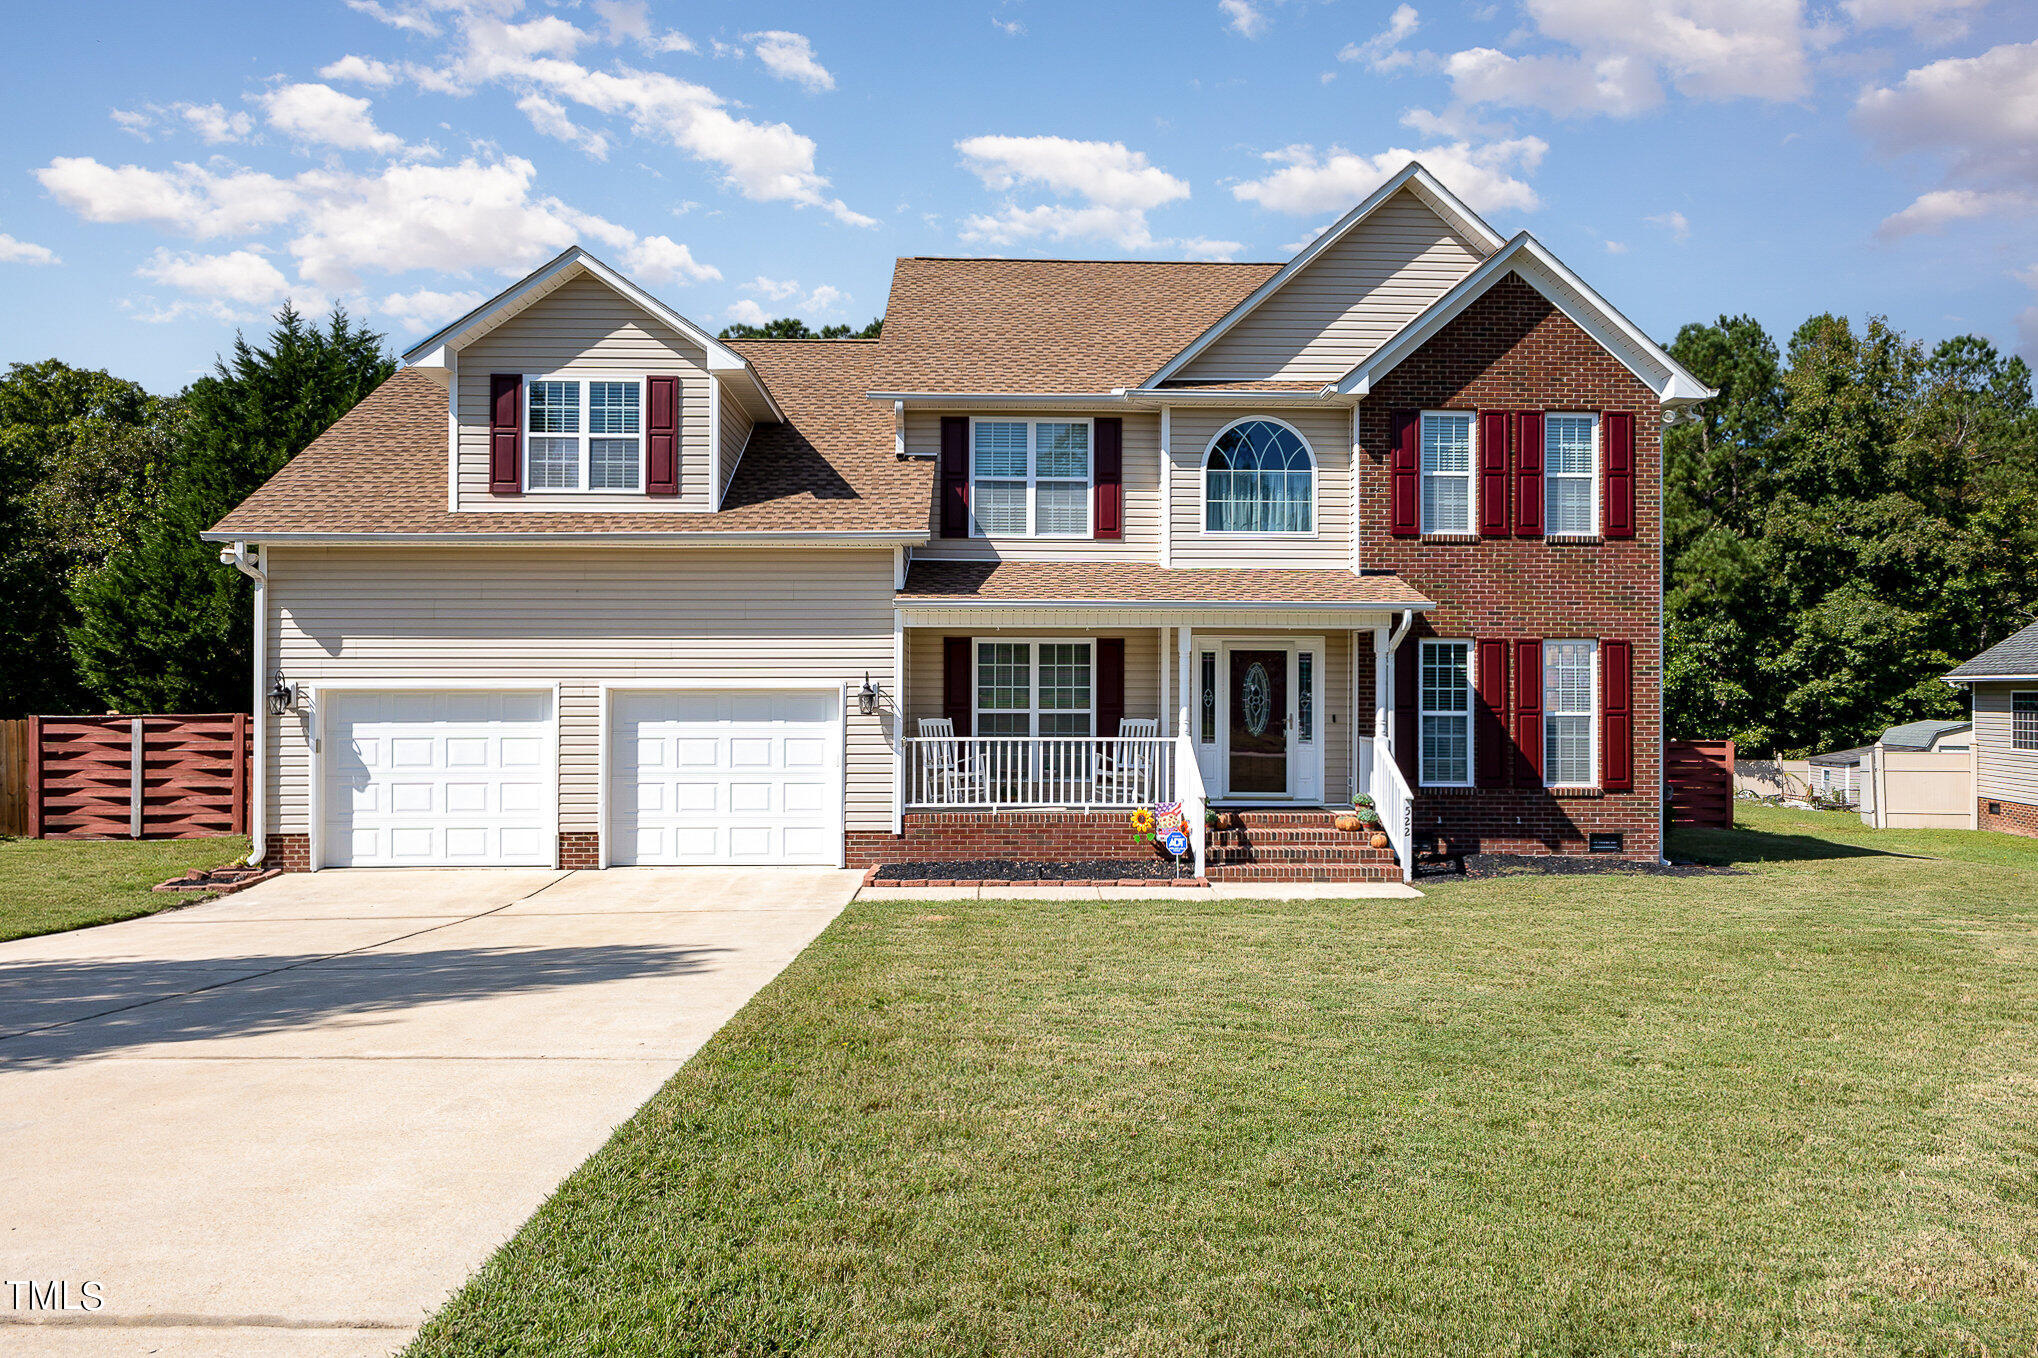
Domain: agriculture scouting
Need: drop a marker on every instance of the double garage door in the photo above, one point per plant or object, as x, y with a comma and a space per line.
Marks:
467, 778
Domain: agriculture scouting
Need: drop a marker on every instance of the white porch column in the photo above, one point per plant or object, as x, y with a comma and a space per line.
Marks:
1185, 643
898, 725
1355, 776
1383, 679
1162, 651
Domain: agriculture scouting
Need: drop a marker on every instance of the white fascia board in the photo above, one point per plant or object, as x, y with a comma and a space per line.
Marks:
874, 538
568, 264
1236, 397
1991, 678
1414, 177
984, 398
932, 602
1592, 313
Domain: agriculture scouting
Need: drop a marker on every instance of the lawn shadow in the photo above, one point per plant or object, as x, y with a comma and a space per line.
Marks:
1738, 845
57, 1011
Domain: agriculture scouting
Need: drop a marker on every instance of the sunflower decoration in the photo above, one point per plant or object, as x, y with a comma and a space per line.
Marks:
1142, 822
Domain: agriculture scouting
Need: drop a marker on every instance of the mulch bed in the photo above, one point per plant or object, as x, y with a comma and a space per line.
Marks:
1007, 871
219, 881
1560, 865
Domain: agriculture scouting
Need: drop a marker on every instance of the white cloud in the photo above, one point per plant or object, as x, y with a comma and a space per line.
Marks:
1382, 52
1935, 21
1673, 222
15, 251
661, 259
825, 300
412, 21
1614, 247
317, 114
1246, 19
188, 199
237, 276
1488, 176
777, 289
1978, 117
215, 123
425, 309
1116, 184
1011, 28
1204, 248
133, 121
548, 116
360, 71
745, 312
789, 56
1620, 53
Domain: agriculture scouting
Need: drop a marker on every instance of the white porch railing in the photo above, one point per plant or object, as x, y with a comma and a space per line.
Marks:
1009, 772
1395, 803
1195, 800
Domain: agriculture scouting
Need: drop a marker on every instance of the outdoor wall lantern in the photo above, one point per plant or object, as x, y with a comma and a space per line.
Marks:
282, 696
867, 696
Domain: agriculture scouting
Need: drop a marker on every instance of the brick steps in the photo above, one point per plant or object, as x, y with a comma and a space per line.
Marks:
1310, 872
1291, 846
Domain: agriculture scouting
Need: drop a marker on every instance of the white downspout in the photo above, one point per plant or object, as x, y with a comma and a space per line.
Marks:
237, 557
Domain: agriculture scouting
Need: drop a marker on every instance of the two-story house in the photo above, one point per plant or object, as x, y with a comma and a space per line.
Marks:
584, 585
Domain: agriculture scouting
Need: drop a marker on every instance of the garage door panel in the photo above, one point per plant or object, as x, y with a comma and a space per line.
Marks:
702, 777
438, 778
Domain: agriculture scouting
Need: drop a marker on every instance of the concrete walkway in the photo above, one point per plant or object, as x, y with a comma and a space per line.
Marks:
1216, 891
293, 1121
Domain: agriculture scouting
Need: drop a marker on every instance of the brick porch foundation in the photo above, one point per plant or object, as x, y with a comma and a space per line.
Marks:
1536, 821
1049, 836
2016, 818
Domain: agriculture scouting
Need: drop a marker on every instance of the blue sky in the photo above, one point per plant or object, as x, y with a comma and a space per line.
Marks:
174, 171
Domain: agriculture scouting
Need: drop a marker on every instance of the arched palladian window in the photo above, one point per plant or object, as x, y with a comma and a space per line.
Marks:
1259, 478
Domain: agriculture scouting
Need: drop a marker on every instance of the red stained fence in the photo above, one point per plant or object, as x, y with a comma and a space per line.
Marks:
1700, 774
14, 777
157, 777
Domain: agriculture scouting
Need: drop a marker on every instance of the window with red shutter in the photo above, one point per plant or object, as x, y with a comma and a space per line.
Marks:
1528, 712
1617, 428
955, 476
505, 433
1402, 460
1617, 713
1495, 428
1492, 742
1528, 474
661, 436
958, 696
1107, 492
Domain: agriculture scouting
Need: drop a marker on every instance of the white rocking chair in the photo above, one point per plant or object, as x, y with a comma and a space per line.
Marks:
1125, 770
951, 769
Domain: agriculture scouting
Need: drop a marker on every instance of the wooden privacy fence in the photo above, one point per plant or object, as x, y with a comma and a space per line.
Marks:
1700, 774
14, 777
178, 776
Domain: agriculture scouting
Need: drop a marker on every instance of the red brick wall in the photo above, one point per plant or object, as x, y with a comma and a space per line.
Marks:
2014, 818
1051, 836
292, 853
1512, 349
579, 849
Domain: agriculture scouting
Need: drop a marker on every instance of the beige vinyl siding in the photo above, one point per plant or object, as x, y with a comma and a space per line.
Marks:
2005, 772
736, 427
1328, 432
1142, 496
1347, 302
579, 618
584, 329
924, 666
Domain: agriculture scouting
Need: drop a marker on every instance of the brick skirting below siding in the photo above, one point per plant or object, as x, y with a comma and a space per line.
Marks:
1046, 836
1536, 821
579, 849
292, 853
2016, 818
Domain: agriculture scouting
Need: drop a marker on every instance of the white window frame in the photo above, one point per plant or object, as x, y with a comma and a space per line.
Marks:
1470, 709
1246, 534
1471, 476
1033, 709
1591, 478
584, 437
1033, 477
2014, 695
1592, 714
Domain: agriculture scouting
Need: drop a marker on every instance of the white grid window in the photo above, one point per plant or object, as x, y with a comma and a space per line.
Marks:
1568, 711
1034, 688
1570, 474
2024, 721
583, 434
1445, 681
1447, 472
1030, 478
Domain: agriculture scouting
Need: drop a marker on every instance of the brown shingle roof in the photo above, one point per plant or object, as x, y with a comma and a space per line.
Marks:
1145, 582
1012, 325
382, 467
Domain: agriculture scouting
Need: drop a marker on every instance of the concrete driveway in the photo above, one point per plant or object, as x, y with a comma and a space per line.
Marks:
293, 1121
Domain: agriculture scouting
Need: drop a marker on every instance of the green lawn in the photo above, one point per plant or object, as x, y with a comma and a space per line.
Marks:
48, 885
1789, 1111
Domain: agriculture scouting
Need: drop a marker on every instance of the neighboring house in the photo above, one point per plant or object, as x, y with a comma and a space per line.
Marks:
1836, 775
1934, 737
1851, 776
584, 585
2003, 681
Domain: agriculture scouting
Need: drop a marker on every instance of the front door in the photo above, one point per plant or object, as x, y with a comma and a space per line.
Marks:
1258, 741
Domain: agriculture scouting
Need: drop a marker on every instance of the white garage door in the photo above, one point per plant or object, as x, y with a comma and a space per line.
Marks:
726, 778
438, 778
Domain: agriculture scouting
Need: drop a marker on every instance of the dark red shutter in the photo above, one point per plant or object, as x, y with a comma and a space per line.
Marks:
1107, 493
1617, 432
1403, 460
1407, 719
1617, 708
661, 437
1110, 685
1494, 427
505, 433
957, 684
1528, 474
1492, 744
955, 476
1528, 713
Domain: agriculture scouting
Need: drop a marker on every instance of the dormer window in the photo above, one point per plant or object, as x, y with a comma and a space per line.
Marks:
584, 434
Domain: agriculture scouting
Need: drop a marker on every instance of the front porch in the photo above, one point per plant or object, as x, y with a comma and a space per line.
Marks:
1065, 713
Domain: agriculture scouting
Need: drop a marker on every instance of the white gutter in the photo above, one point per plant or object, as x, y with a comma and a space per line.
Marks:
1407, 621
1955, 680
964, 601
703, 538
237, 557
